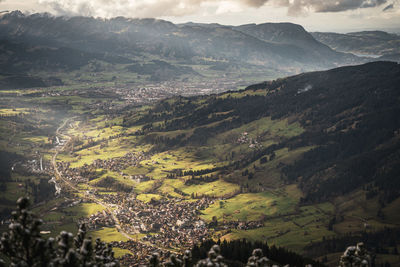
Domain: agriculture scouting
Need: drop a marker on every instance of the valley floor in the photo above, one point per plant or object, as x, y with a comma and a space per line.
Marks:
143, 200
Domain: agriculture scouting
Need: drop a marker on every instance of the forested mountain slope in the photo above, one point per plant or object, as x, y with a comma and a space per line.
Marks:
347, 118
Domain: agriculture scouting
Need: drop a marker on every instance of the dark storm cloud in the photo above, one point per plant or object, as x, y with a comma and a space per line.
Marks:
320, 5
305, 6
337, 6
152, 8
388, 7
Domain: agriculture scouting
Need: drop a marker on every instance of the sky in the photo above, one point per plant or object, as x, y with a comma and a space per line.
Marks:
314, 15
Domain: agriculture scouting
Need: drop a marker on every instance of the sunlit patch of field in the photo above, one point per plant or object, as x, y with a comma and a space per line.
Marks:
105, 122
298, 238
148, 197
250, 207
13, 111
38, 139
292, 231
73, 128
293, 192
84, 209
116, 176
104, 133
108, 234
136, 170
119, 252
162, 164
168, 187
93, 131
144, 186
65, 157
240, 94
177, 188
217, 188
87, 156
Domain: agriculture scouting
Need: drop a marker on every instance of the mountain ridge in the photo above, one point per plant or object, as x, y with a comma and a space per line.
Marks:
374, 43
123, 36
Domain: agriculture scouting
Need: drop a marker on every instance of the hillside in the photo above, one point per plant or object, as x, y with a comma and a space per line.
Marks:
348, 116
372, 43
295, 35
21, 64
332, 133
316, 154
308, 162
183, 44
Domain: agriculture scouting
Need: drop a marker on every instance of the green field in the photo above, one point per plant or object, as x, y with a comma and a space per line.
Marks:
255, 191
293, 231
84, 209
107, 234
250, 207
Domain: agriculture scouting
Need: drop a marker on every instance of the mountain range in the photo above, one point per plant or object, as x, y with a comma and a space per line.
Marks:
310, 161
273, 44
72, 42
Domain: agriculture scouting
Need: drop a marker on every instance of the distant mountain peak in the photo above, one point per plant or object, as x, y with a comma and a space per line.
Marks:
282, 45
15, 13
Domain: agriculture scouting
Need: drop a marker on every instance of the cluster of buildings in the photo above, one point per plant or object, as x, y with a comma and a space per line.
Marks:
242, 225
167, 223
156, 91
141, 254
72, 174
97, 220
118, 164
244, 138
82, 174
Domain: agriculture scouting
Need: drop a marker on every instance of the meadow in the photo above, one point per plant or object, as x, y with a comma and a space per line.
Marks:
256, 190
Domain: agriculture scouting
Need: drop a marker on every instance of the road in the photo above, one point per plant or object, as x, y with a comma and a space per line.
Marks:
92, 197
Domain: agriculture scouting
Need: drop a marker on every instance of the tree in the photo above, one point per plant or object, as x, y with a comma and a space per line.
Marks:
214, 221
22, 245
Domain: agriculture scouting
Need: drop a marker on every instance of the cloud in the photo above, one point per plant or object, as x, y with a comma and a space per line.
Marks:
296, 7
128, 8
388, 7
301, 6
175, 8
